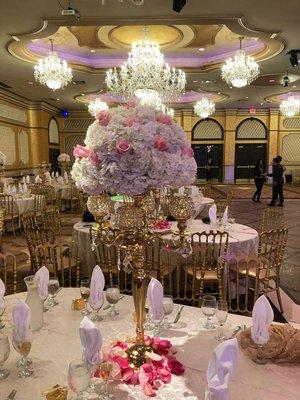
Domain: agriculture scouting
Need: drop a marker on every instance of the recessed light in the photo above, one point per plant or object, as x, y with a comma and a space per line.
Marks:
93, 50
15, 38
271, 80
219, 92
273, 35
201, 49
207, 81
230, 87
294, 86
246, 97
261, 104
82, 94
57, 99
195, 81
30, 83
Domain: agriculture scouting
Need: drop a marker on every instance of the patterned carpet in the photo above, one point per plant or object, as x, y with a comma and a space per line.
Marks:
246, 191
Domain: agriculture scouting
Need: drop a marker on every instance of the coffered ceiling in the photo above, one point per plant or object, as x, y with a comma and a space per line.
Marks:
197, 40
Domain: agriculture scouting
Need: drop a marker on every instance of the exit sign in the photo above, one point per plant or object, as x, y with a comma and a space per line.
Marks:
252, 110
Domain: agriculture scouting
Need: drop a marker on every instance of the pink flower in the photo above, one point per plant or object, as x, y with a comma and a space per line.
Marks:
121, 361
161, 143
187, 151
130, 376
103, 117
123, 146
145, 384
130, 121
175, 367
120, 344
81, 151
94, 157
131, 104
164, 119
161, 346
165, 375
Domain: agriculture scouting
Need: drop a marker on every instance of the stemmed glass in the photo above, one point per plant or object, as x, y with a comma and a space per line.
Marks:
112, 296
4, 354
23, 348
209, 308
105, 369
168, 306
156, 323
53, 287
221, 314
79, 376
85, 294
96, 308
2, 309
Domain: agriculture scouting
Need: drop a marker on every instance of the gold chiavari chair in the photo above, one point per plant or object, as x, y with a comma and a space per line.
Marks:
30, 221
74, 197
51, 219
82, 199
58, 198
39, 204
36, 237
61, 260
205, 190
13, 268
2, 212
223, 203
11, 217
273, 218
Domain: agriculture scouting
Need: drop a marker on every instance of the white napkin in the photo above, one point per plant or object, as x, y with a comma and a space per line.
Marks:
195, 191
52, 174
155, 297
220, 369
91, 341
262, 318
43, 274
23, 180
96, 288
56, 174
21, 319
20, 187
13, 190
2, 293
212, 213
225, 217
60, 180
37, 179
27, 179
25, 188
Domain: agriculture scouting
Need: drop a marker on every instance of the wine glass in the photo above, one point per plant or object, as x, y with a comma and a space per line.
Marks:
85, 294
105, 369
23, 347
79, 376
96, 307
156, 322
53, 287
209, 308
2, 309
168, 306
112, 296
4, 354
221, 314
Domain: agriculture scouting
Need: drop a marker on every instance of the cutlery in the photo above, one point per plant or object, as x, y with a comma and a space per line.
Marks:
236, 331
178, 315
11, 395
108, 305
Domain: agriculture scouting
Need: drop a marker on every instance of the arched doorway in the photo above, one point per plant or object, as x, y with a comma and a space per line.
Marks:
251, 145
207, 143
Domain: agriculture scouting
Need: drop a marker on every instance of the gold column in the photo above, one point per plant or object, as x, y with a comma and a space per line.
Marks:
273, 143
229, 145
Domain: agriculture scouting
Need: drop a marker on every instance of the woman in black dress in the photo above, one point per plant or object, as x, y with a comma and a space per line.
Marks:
259, 179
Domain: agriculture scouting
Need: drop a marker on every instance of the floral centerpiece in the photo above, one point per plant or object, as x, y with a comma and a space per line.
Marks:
63, 158
131, 148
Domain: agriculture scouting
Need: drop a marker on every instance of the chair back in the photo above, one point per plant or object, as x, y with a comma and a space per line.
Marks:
7, 203
223, 203
8, 272
30, 221
39, 203
273, 218
272, 245
36, 237
51, 219
205, 190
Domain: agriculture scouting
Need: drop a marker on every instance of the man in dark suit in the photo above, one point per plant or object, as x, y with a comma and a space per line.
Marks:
277, 175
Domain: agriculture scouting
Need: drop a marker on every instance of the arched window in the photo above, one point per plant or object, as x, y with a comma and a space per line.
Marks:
207, 129
251, 128
53, 133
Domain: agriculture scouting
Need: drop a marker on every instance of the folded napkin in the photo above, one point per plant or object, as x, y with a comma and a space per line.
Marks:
195, 191
60, 180
91, 341
13, 190
220, 369
27, 179
37, 179
225, 217
2, 293
20, 187
52, 174
25, 188
212, 213
56, 174
43, 274
96, 288
21, 318
262, 318
23, 180
155, 297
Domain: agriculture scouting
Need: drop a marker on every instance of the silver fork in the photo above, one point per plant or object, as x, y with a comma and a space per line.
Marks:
11, 395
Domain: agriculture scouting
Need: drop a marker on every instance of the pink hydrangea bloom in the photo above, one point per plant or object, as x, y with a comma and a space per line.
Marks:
94, 157
123, 146
161, 143
131, 104
188, 151
81, 151
103, 117
130, 121
165, 119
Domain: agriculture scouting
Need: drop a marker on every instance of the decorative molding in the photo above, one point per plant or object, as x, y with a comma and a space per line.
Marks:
251, 128
291, 123
290, 150
207, 129
13, 113
53, 131
71, 142
78, 125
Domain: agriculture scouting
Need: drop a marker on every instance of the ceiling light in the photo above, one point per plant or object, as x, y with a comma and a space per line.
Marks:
273, 35
201, 49
271, 80
52, 71
97, 105
294, 86
241, 70
30, 83
219, 92
261, 104
57, 99
290, 106
145, 72
204, 107
93, 50
15, 38
195, 81
82, 94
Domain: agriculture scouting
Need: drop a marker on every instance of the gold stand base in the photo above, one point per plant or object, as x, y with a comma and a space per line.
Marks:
137, 354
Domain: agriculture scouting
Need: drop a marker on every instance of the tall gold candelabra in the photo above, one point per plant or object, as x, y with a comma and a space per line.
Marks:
131, 230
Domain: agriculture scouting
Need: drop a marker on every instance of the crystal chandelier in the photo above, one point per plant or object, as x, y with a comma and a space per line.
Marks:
52, 71
290, 106
145, 72
204, 107
168, 111
97, 105
241, 70
152, 99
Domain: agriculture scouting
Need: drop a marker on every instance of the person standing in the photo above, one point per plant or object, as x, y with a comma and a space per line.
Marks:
259, 179
278, 180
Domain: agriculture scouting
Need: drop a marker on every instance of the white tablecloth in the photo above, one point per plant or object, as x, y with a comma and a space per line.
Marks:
65, 190
202, 205
57, 343
81, 235
23, 205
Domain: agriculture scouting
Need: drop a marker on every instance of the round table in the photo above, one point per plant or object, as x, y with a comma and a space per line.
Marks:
57, 343
23, 204
65, 190
202, 205
81, 236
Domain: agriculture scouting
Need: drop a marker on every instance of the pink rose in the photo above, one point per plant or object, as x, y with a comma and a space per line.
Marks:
121, 361
103, 117
161, 143
94, 158
131, 104
188, 151
130, 376
165, 375
81, 151
164, 119
175, 367
130, 121
144, 382
123, 146
120, 344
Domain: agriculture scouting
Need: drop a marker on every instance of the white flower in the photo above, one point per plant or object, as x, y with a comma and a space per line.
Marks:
63, 157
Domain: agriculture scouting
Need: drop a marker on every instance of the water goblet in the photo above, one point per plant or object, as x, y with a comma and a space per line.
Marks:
4, 354
23, 347
221, 314
209, 308
156, 327
2, 310
105, 369
168, 306
53, 287
112, 296
85, 294
96, 307
79, 376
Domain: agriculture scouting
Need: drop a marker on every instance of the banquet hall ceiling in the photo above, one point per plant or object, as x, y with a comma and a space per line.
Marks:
197, 40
